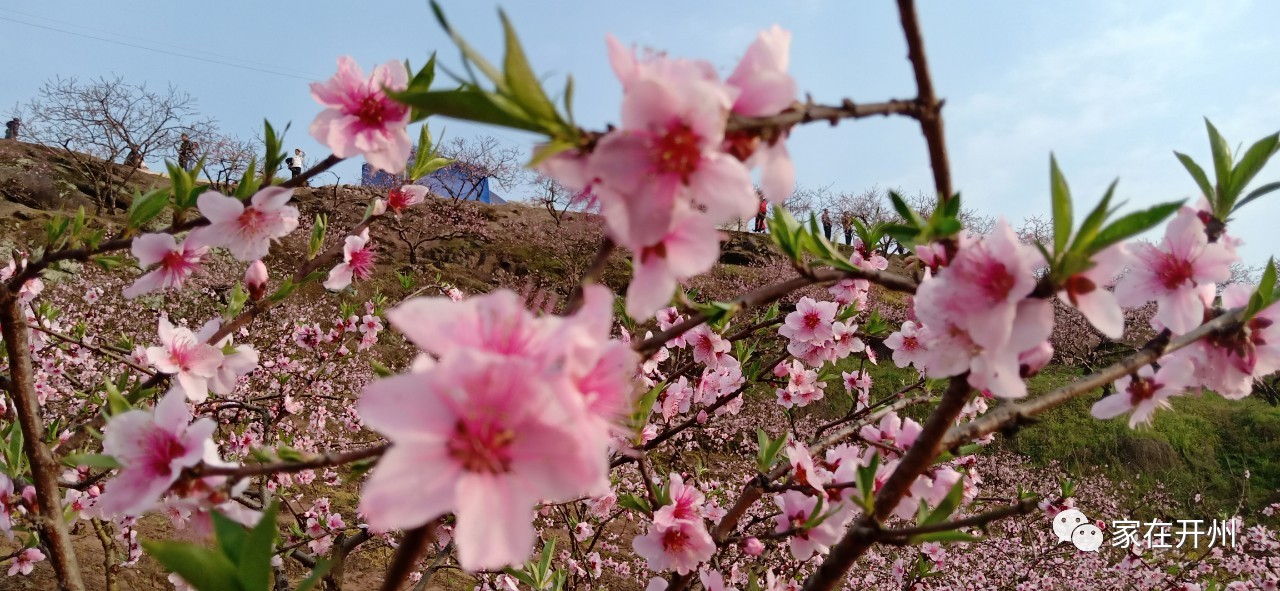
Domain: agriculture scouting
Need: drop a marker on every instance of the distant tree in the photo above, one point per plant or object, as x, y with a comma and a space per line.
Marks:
226, 158
558, 199
105, 122
476, 161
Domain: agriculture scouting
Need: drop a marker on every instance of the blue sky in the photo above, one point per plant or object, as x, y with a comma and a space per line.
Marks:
1111, 87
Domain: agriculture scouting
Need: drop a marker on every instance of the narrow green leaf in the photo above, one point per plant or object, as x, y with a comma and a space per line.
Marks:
522, 82
548, 550
200, 567
317, 573
1093, 222
468, 105
469, 54
943, 536
230, 536
1061, 197
146, 207
1253, 160
947, 506
908, 215
1256, 193
1197, 173
1222, 170
259, 543
101, 461
1133, 224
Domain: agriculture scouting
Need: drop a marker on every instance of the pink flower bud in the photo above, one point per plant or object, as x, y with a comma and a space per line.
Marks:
752, 547
780, 370
379, 207
702, 417
255, 279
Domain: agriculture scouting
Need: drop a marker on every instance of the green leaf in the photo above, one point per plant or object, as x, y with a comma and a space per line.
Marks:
1253, 160
258, 544
947, 506
1222, 169
317, 573
1061, 196
230, 536
1093, 222
522, 82
544, 565
1132, 225
1197, 173
469, 105
908, 215
469, 54
116, 403
644, 406
146, 207
101, 461
547, 150
943, 536
1256, 193
200, 567
633, 502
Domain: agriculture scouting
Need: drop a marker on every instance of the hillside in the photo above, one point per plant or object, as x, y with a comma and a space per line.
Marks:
1208, 454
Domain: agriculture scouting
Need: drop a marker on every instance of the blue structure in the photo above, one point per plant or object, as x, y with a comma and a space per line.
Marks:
450, 181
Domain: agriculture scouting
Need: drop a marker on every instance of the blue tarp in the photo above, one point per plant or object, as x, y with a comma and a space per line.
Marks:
449, 181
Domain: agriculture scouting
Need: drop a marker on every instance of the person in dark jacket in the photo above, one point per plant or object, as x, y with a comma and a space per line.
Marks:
11, 128
826, 223
187, 153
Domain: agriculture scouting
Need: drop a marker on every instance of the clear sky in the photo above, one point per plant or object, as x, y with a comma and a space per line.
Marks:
1111, 87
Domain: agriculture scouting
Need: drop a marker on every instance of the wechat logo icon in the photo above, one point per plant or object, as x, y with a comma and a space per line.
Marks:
1072, 526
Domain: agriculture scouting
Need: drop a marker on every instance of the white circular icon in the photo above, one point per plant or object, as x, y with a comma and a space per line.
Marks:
1067, 521
1087, 537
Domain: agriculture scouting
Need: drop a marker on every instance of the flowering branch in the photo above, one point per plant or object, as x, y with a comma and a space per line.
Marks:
809, 112
1014, 413
769, 293
44, 470
902, 535
918, 458
323, 461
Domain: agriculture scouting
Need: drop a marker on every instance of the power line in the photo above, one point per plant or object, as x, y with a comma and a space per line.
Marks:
189, 50
173, 53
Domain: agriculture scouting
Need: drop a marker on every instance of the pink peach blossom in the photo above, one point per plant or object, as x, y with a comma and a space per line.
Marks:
247, 231
1173, 273
485, 437
153, 447
359, 118
766, 89
680, 545
405, 196
811, 321
25, 561
797, 508
1145, 392
185, 356
358, 259
691, 247
1087, 291
667, 152
686, 503
176, 262
908, 347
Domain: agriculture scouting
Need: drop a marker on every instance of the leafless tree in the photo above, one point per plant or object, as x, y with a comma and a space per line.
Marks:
1036, 228
107, 127
474, 162
556, 198
227, 157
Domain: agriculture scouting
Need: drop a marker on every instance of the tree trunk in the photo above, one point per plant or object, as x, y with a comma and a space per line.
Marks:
44, 470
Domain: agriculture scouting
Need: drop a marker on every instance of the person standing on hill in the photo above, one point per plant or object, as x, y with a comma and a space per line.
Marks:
295, 163
760, 216
846, 221
11, 128
826, 223
187, 153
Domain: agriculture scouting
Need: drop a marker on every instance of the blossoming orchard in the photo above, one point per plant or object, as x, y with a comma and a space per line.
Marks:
639, 436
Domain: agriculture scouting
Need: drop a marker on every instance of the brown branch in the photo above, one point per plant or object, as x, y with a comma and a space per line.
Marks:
833, 113
411, 547
918, 458
1009, 414
99, 350
1022, 507
44, 470
769, 293
593, 274
930, 114
323, 461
